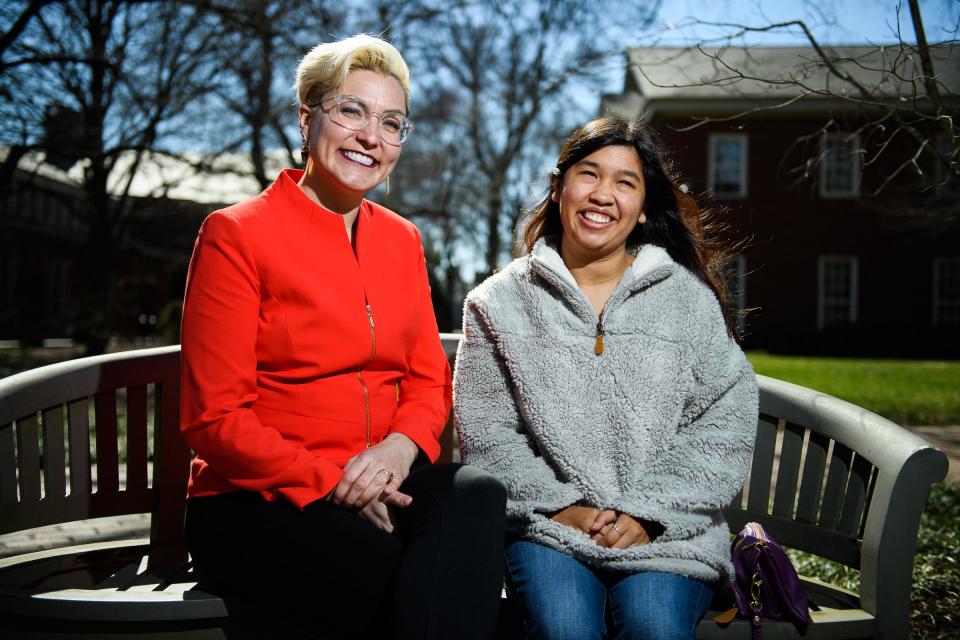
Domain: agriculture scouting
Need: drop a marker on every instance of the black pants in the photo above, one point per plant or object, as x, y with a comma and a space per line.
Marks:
325, 572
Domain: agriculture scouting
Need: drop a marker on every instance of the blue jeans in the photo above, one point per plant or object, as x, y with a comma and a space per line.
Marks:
561, 598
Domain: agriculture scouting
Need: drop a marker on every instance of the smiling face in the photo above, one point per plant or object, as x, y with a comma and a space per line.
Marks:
344, 164
601, 202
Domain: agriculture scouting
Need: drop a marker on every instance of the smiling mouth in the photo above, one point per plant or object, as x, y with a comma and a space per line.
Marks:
596, 217
358, 158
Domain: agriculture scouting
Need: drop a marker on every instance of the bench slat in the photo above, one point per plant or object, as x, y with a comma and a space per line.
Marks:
761, 470
790, 450
854, 500
137, 437
871, 486
836, 485
78, 424
105, 413
58, 510
8, 465
811, 538
737, 501
28, 458
54, 453
171, 465
814, 463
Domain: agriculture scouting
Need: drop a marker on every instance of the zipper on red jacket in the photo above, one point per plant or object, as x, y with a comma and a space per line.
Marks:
363, 385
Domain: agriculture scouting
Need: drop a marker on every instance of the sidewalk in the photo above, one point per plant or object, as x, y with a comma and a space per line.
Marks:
947, 439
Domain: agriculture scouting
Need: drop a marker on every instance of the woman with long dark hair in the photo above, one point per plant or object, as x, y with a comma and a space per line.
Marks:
600, 380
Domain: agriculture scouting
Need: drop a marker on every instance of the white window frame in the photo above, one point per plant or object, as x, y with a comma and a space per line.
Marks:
829, 163
822, 300
939, 303
713, 168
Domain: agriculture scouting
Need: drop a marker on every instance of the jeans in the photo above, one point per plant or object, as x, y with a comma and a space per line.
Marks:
561, 598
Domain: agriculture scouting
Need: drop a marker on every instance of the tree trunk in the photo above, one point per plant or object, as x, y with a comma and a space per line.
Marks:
98, 286
261, 118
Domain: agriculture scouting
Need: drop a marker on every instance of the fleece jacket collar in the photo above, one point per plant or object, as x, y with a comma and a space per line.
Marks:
652, 265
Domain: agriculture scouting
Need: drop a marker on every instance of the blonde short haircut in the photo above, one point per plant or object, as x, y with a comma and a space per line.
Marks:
325, 67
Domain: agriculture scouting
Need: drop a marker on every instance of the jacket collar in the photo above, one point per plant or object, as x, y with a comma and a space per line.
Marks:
286, 190
653, 264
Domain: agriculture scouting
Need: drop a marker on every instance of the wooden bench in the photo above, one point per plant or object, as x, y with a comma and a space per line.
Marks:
850, 486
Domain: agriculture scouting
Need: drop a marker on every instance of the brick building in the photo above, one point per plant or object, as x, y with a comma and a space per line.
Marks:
795, 154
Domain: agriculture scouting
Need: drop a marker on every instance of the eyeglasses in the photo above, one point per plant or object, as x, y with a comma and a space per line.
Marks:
352, 113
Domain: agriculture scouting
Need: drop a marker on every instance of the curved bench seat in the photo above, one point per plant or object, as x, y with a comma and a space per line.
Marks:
99, 437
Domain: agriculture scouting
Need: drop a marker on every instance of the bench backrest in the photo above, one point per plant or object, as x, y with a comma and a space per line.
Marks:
94, 437
825, 478
833, 479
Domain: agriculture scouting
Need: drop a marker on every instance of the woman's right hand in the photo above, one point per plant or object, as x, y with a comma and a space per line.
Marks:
375, 474
578, 517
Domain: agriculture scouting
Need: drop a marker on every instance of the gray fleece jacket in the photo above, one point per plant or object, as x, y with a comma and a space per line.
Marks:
659, 426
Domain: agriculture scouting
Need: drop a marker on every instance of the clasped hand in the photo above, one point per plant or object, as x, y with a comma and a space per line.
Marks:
606, 527
372, 478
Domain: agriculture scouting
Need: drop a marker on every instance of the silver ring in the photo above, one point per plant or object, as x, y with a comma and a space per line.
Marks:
617, 529
386, 471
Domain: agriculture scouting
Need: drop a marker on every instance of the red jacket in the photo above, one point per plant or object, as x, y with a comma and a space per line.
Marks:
297, 353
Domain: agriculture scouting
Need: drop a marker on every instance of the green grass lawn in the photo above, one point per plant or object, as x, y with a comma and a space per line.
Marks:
909, 392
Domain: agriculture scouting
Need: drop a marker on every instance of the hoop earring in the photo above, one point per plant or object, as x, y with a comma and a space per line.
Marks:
304, 152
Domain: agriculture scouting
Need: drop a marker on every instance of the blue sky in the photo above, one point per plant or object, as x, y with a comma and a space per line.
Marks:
833, 21
688, 22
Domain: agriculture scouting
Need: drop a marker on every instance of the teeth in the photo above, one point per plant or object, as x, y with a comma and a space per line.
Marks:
359, 157
596, 217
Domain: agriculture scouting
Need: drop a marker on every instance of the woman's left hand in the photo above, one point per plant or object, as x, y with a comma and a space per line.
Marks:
377, 472
624, 532
377, 513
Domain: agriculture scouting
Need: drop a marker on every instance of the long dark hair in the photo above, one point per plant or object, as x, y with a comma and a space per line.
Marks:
675, 220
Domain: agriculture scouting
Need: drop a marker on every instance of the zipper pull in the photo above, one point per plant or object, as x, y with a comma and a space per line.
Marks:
370, 315
598, 346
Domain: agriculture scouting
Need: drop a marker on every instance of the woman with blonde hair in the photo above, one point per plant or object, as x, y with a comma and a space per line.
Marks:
315, 390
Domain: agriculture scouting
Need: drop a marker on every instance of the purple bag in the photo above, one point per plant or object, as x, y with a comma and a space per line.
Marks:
766, 584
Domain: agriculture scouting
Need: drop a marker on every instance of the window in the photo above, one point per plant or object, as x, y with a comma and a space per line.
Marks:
946, 291
836, 291
728, 165
840, 166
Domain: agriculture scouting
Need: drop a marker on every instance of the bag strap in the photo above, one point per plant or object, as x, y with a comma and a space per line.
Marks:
755, 606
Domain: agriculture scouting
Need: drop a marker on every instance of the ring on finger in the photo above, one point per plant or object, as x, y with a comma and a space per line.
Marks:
386, 471
617, 529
